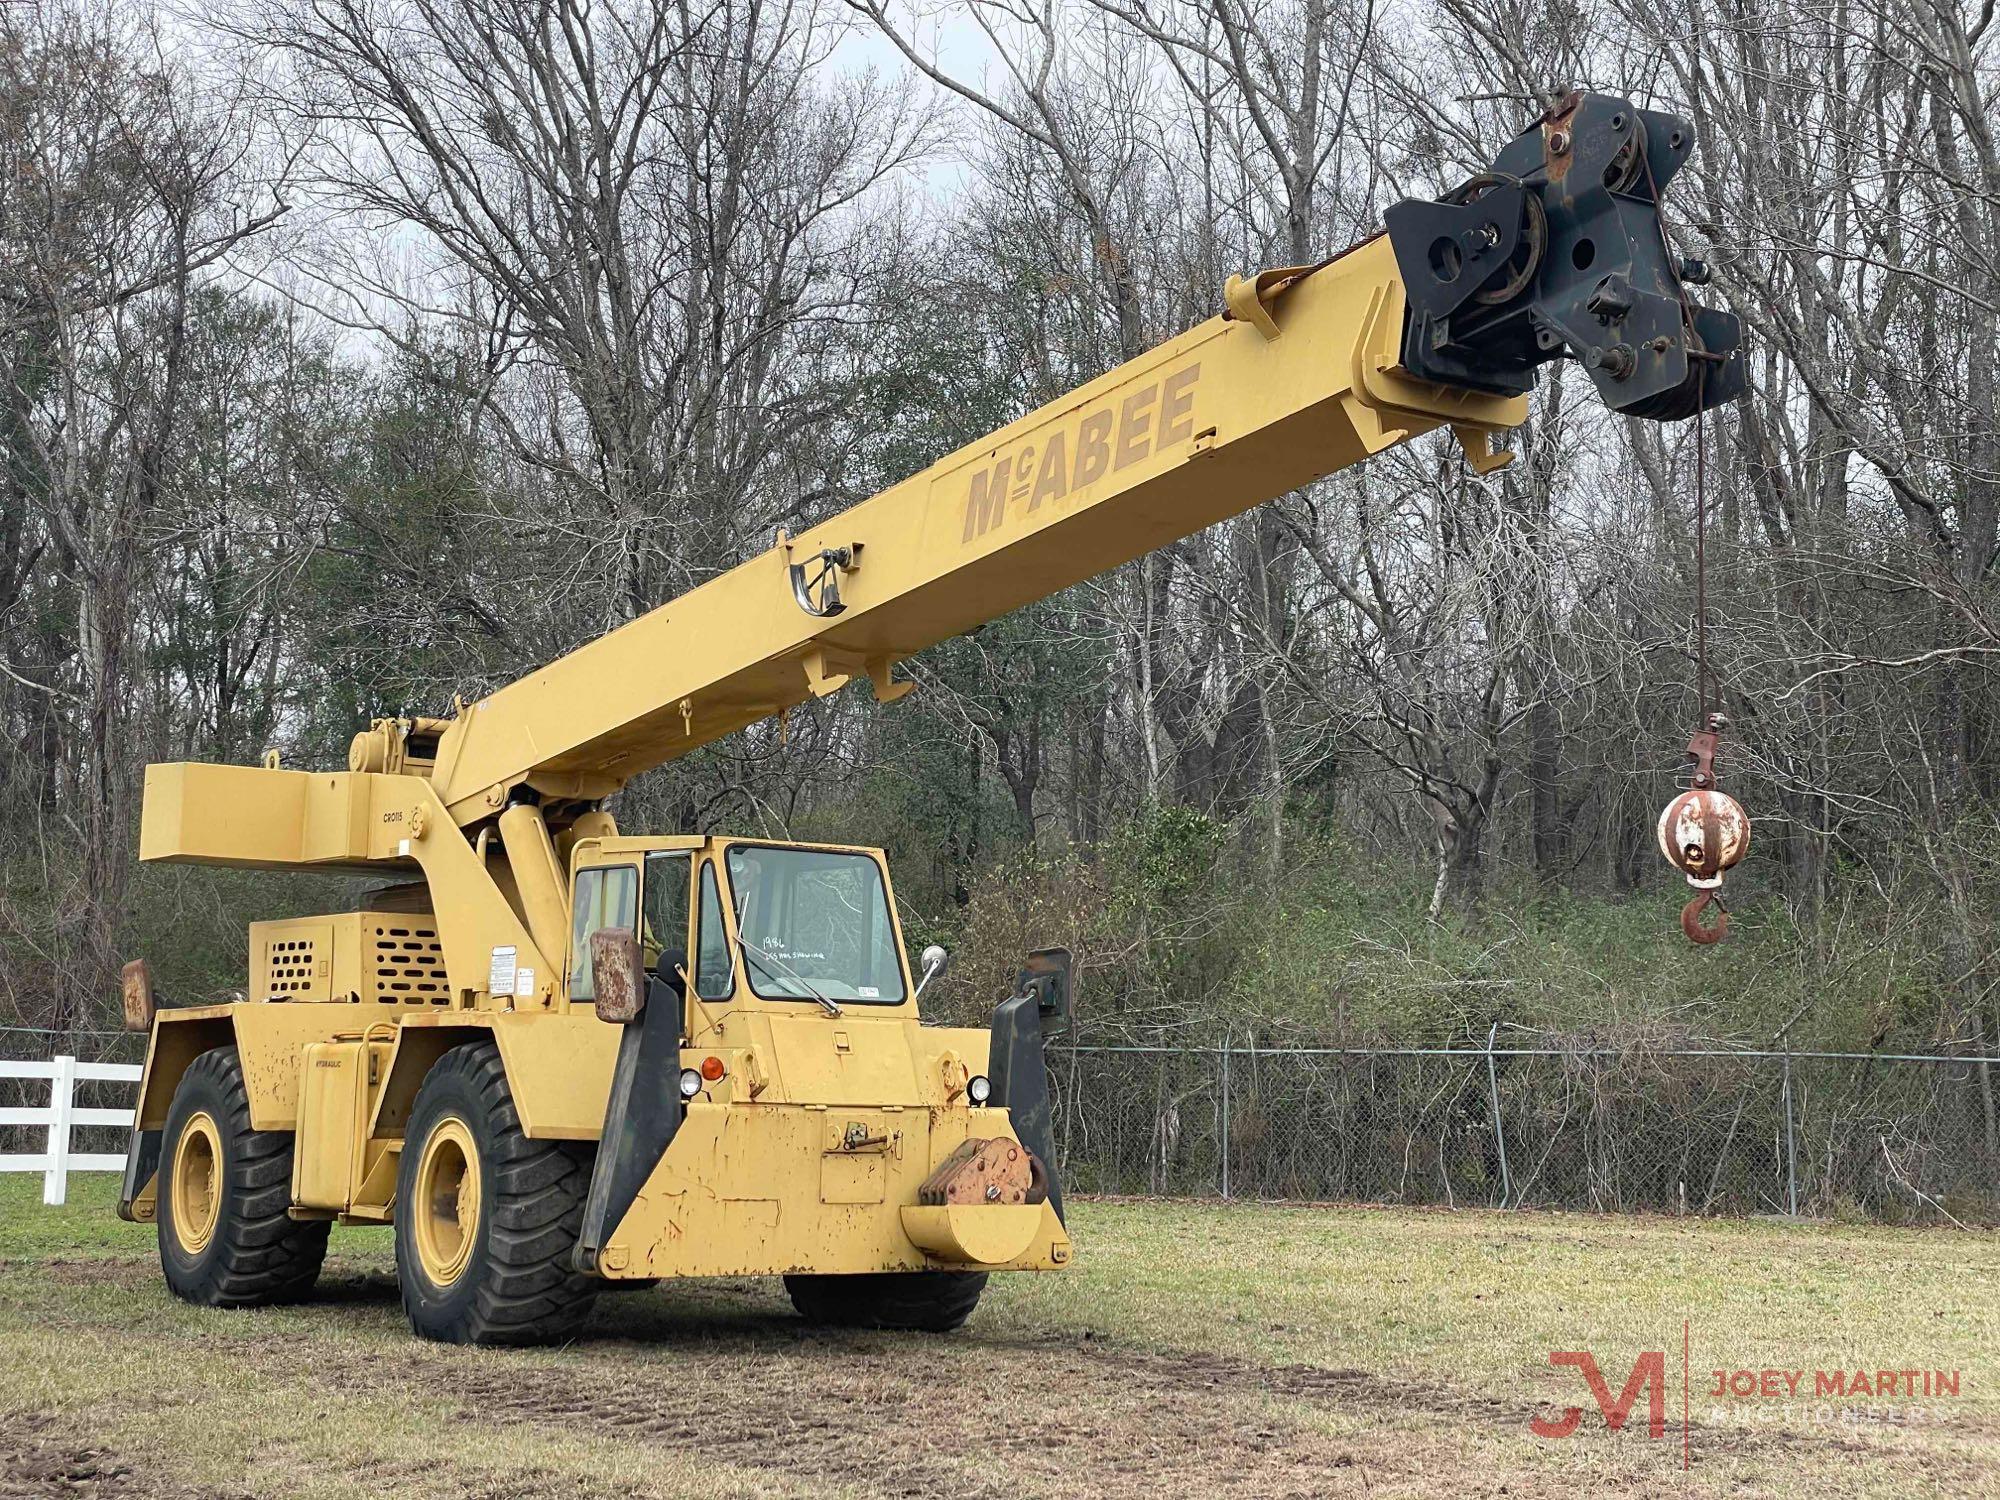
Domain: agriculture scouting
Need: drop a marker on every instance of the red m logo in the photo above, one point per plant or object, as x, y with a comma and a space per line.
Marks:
1649, 1370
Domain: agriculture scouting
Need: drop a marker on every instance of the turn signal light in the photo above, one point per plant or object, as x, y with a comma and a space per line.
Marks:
712, 1069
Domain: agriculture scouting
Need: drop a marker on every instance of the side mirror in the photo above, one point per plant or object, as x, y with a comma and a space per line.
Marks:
1047, 976
934, 962
618, 975
141, 1000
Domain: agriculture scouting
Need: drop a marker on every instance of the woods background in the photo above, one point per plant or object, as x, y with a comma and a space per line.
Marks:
358, 354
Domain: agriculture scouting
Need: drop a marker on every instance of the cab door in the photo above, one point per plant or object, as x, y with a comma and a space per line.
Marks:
664, 896
602, 895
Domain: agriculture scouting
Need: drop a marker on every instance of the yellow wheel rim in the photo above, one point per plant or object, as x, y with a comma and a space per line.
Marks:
445, 1217
197, 1182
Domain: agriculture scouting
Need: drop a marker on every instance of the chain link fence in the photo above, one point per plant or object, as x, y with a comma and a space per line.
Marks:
1903, 1138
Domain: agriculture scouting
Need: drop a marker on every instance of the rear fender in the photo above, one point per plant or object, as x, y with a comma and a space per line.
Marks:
416, 1052
558, 1066
179, 1037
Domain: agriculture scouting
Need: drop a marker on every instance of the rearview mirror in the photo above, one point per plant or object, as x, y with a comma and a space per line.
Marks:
1047, 975
934, 962
617, 975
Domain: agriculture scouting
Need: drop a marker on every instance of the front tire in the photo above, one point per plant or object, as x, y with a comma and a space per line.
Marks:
486, 1219
226, 1236
916, 1301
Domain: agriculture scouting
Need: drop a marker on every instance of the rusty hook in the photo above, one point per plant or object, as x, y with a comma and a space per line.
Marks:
1691, 919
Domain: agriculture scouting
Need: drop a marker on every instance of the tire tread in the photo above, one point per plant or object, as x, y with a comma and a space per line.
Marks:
263, 1256
528, 1292
916, 1301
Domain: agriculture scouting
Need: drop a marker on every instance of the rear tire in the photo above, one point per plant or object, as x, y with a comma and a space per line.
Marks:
917, 1301
486, 1219
226, 1238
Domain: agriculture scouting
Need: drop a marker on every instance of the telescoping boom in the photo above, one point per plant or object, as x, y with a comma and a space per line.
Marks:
722, 1033
1555, 251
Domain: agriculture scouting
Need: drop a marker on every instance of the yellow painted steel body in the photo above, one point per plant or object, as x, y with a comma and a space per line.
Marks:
803, 1155
1203, 427
753, 1183
807, 1153
755, 1188
748, 1191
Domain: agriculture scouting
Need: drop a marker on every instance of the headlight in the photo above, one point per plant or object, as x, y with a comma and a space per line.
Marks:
979, 1088
690, 1083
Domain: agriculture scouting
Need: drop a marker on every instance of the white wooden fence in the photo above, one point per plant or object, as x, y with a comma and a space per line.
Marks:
61, 1115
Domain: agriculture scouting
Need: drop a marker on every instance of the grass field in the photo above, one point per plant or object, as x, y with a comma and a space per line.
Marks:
1240, 1351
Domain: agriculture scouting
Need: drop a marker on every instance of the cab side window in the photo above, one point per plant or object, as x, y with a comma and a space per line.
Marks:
663, 932
604, 898
714, 974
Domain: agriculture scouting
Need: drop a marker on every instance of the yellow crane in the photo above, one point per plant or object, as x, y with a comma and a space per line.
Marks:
559, 1057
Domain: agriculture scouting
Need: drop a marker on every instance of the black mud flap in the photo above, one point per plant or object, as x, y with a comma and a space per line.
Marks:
1021, 1080
644, 1111
142, 1161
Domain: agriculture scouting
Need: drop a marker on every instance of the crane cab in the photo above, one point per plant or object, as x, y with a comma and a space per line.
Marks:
776, 1104
729, 925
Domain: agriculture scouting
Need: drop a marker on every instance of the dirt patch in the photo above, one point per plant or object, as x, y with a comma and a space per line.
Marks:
906, 1418
722, 1371
995, 1419
71, 1272
1004, 1419
39, 1457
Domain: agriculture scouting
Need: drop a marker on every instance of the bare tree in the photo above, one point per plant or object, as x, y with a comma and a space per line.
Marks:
123, 189
647, 214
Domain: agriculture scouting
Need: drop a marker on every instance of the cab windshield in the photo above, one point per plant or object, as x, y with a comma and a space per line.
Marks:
814, 924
